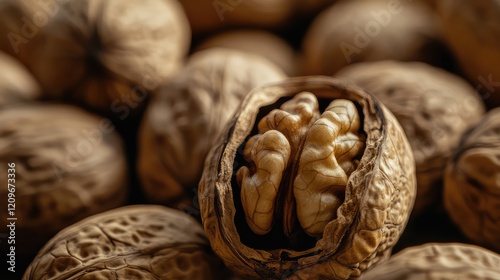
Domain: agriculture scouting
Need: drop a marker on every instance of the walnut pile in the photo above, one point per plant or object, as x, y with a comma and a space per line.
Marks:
434, 108
370, 30
132, 242
69, 165
436, 261
472, 183
185, 118
313, 178
16, 83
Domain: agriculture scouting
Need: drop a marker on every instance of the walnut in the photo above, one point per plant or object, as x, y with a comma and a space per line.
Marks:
472, 184
371, 30
108, 55
206, 16
132, 242
434, 108
435, 261
16, 83
313, 178
472, 27
184, 119
69, 165
258, 42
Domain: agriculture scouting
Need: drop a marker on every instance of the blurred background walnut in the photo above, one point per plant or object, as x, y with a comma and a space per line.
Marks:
259, 42
434, 108
69, 165
436, 261
133, 242
371, 30
185, 118
17, 85
472, 31
472, 183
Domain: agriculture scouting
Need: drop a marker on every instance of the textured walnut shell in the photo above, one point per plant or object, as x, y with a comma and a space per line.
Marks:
69, 165
372, 30
472, 31
208, 15
378, 197
108, 55
132, 242
188, 113
434, 108
435, 261
16, 83
472, 185
258, 42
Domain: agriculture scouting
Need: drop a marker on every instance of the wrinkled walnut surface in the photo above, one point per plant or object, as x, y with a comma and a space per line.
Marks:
258, 42
65, 171
434, 108
107, 54
406, 31
16, 83
472, 31
378, 195
472, 183
132, 242
435, 261
185, 118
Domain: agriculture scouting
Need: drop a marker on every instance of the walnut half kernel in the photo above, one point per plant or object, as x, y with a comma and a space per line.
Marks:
317, 152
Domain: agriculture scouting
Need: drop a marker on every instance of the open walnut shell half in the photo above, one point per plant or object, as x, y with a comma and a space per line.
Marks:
312, 178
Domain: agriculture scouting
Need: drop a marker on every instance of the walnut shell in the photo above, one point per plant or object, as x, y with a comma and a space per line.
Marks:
472, 31
108, 55
435, 261
434, 108
183, 120
257, 42
132, 242
16, 83
375, 202
472, 185
68, 165
372, 30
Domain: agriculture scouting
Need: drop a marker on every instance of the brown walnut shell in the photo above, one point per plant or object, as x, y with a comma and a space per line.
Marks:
257, 42
186, 116
17, 85
437, 261
377, 198
472, 31
434, 108
371, 30
472, 183
108, 55
132, 242
69, 164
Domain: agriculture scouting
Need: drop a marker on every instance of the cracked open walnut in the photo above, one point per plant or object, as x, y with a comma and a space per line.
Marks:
313, 178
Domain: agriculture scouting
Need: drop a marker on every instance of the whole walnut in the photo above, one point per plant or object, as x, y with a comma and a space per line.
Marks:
434, 108
131, 242
108, 55
472, 184
371, 30
67, 165
472, 31
313, 178
17, 85
258, 42
184, 119
209, 15
437, 261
